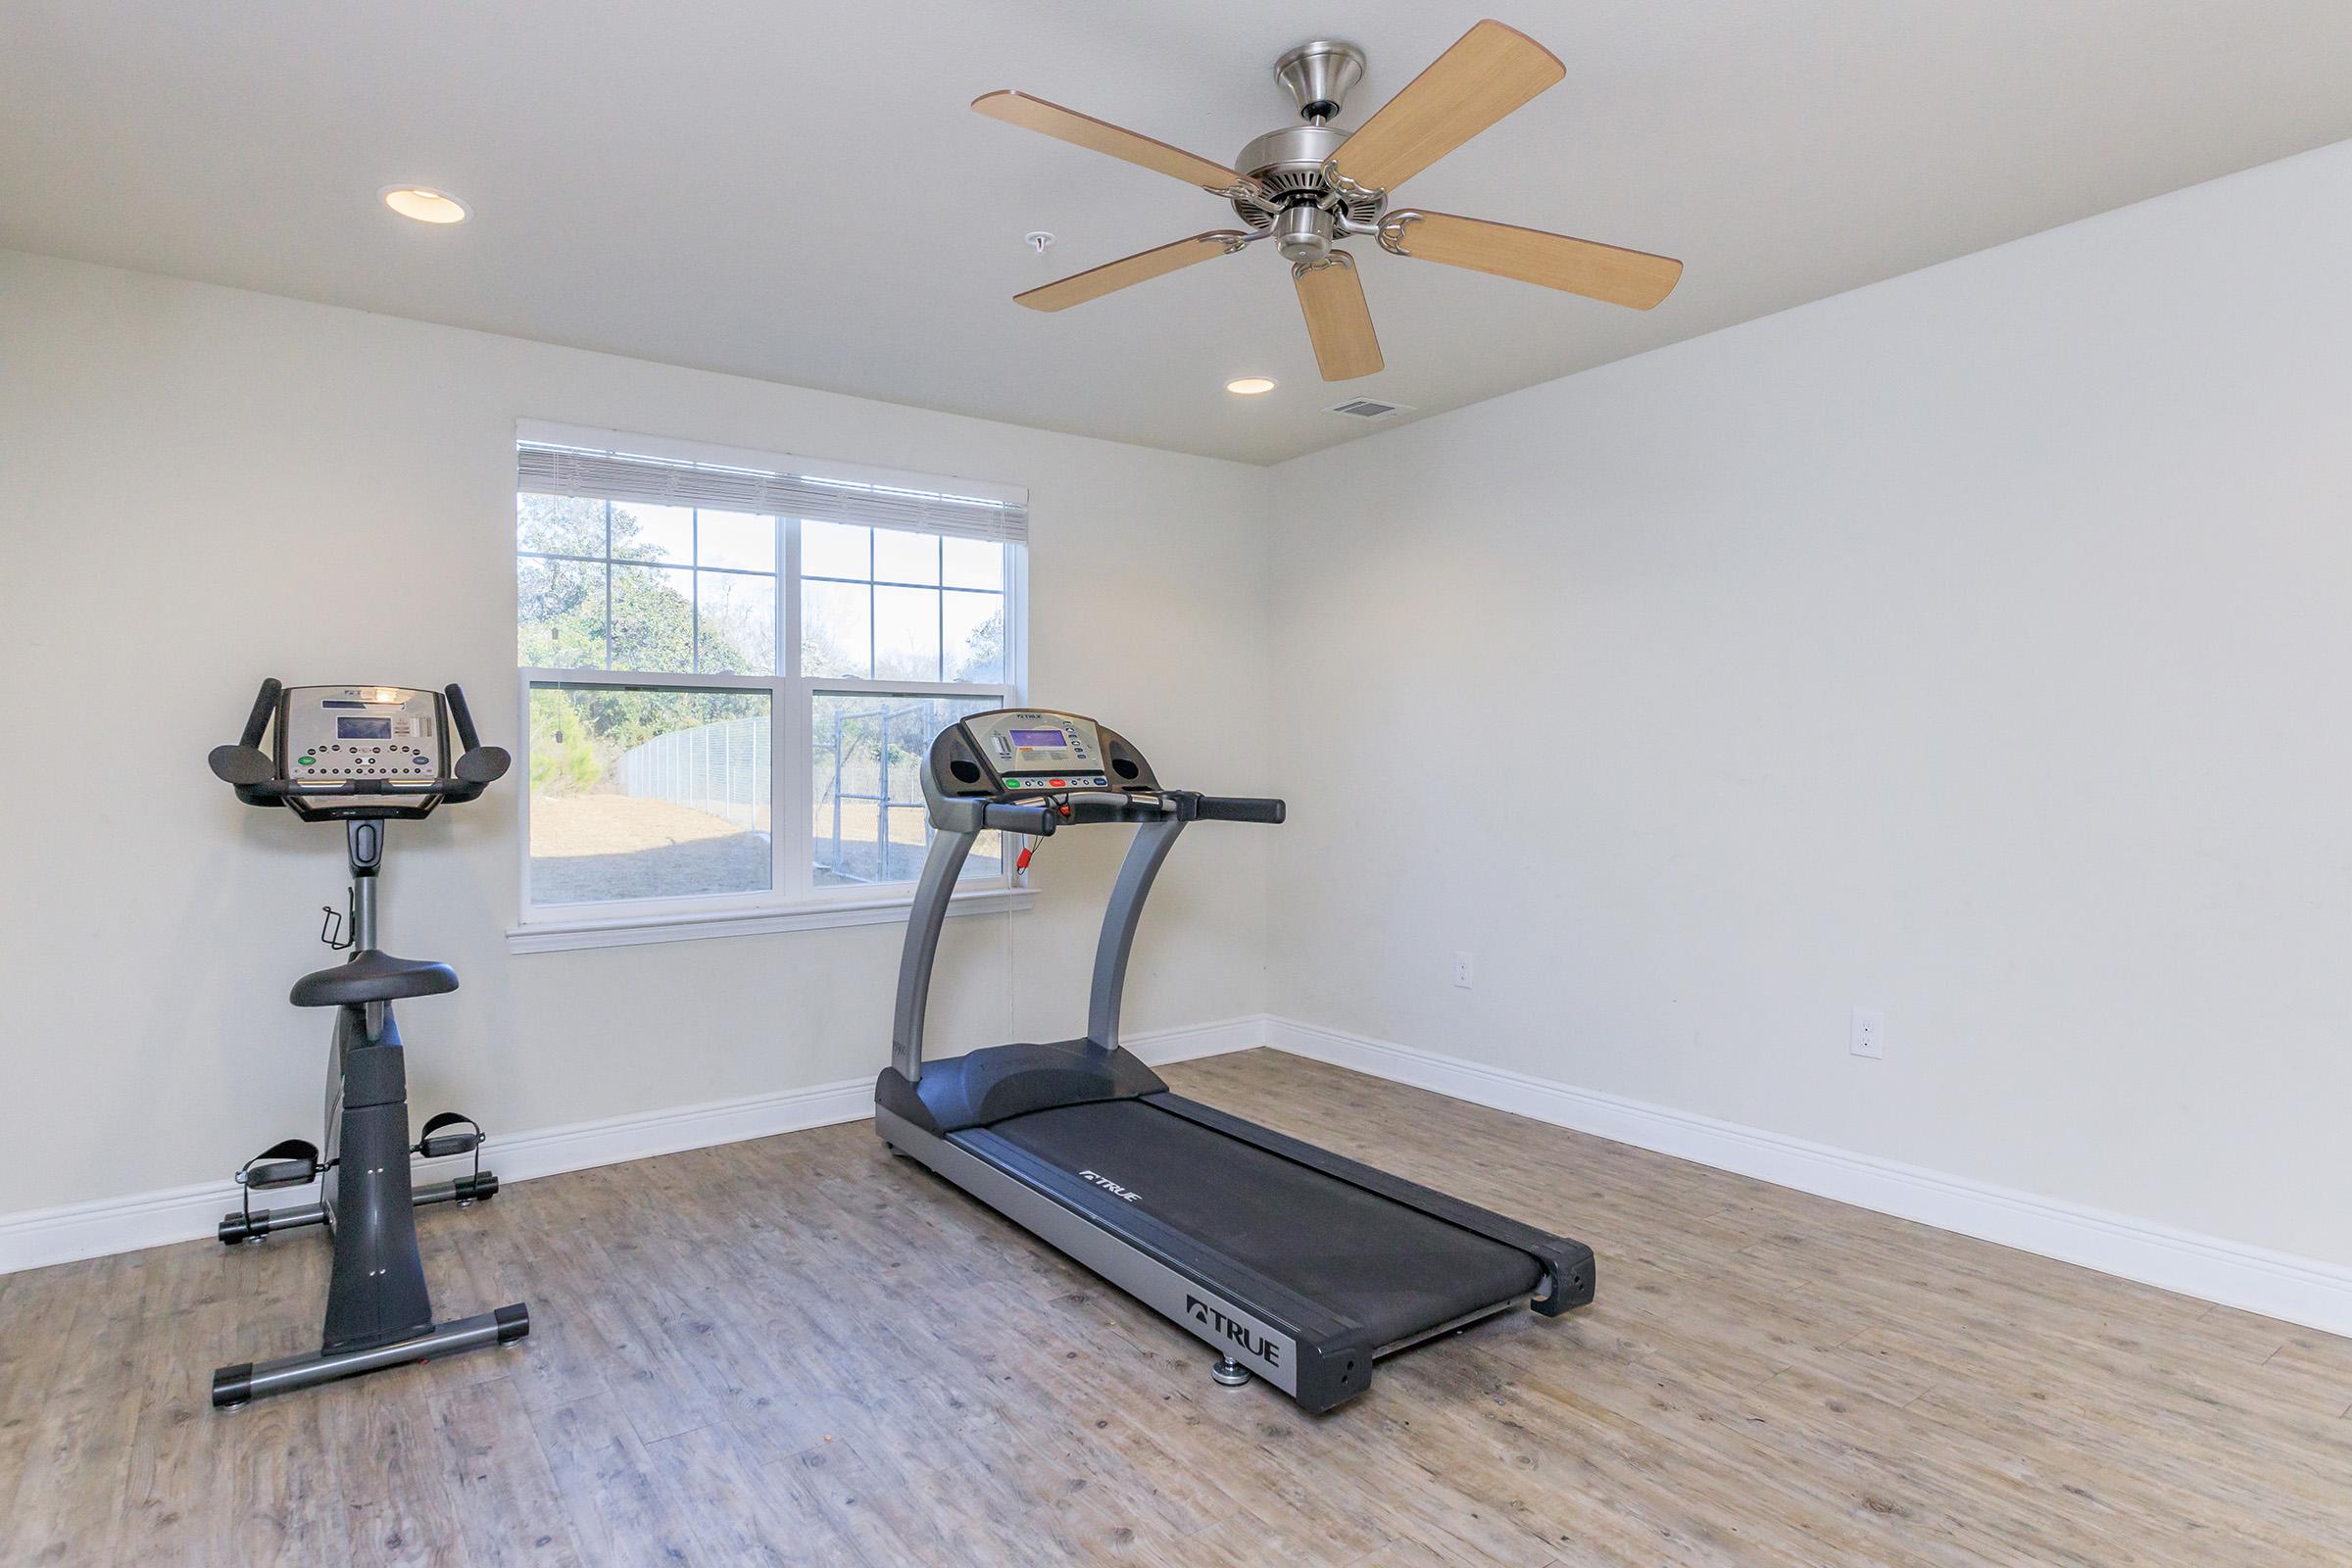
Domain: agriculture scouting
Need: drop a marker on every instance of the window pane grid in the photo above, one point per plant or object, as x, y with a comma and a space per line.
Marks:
729, 571
705, 772
928, 609
872, 582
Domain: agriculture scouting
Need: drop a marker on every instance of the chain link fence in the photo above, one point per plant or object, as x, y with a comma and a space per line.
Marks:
721, 770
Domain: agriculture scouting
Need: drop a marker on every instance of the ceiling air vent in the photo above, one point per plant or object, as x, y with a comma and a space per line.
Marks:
1367, 409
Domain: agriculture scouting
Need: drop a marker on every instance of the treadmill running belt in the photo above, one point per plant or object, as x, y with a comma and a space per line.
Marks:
1395, 1270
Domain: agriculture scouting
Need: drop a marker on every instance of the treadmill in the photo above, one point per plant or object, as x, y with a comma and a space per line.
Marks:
1293, 1264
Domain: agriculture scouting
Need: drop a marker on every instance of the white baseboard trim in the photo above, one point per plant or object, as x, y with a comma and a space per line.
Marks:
40, 1237
1159, 1046
2298, 1290
2276, 1285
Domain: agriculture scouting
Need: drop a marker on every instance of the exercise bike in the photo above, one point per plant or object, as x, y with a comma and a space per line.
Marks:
363, 755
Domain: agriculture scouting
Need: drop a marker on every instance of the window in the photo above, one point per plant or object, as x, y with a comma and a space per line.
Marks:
732, 667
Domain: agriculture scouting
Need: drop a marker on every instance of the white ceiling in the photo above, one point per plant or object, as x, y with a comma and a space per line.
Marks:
796, 191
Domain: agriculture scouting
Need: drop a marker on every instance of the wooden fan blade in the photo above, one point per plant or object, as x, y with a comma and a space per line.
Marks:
1490, 71
1584, 266
1142, 267
1336, 317
1101, 136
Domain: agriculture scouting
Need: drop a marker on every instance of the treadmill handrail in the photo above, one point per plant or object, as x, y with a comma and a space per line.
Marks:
1038, 821
1240, 809
1146, 854
925, 916
1156, 817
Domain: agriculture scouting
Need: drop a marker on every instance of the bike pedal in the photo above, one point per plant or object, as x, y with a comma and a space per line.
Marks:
449, 1132
292, 1163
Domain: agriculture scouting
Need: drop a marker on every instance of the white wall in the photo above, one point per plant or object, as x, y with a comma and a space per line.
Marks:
1973, 647
1977, 646
199, 487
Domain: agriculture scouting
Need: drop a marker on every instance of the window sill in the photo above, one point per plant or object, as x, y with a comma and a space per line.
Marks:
630, 931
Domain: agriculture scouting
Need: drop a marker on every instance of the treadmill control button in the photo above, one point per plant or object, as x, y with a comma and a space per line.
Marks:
1056, 783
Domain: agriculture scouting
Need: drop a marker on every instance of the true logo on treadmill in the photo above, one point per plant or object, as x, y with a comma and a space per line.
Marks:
1208, 1317
1109, 1186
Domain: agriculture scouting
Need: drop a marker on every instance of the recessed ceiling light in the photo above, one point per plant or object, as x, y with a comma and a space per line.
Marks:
1249, 386
423, 204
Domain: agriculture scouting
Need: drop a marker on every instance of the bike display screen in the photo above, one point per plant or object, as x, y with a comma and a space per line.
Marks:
363, 729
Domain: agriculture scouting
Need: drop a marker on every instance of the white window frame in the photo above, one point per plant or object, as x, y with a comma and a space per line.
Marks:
793, 902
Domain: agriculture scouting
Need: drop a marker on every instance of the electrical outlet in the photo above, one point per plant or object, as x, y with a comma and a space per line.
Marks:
1461, 970
1869, 1038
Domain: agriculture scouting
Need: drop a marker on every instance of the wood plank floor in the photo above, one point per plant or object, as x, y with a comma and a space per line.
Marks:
801, 1350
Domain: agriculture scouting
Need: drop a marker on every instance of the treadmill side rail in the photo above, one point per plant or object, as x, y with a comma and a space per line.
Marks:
1568, 1265
1317, 1358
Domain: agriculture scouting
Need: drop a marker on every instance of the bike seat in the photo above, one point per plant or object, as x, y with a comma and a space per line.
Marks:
372, 975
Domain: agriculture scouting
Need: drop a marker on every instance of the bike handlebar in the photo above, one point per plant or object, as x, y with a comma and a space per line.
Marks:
450, 790
265, 703
251, 771
462, 717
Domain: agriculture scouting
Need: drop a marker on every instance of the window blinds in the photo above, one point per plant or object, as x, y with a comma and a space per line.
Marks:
549, 468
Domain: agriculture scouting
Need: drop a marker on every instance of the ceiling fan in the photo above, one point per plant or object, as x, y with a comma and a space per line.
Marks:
1310, 185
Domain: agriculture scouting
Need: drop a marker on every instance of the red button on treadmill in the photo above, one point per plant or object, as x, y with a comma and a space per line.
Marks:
1057, 783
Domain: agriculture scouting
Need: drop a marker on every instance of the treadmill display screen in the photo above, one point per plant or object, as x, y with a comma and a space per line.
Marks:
363, 729
1032, 740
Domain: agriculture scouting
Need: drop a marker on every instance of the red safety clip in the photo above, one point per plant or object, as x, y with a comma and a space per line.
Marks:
1020, 861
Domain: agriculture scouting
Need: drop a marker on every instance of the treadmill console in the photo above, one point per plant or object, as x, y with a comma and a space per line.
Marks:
1037, 750
1014, 752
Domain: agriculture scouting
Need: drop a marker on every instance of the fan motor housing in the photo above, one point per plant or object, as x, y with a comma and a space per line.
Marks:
1288, 164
